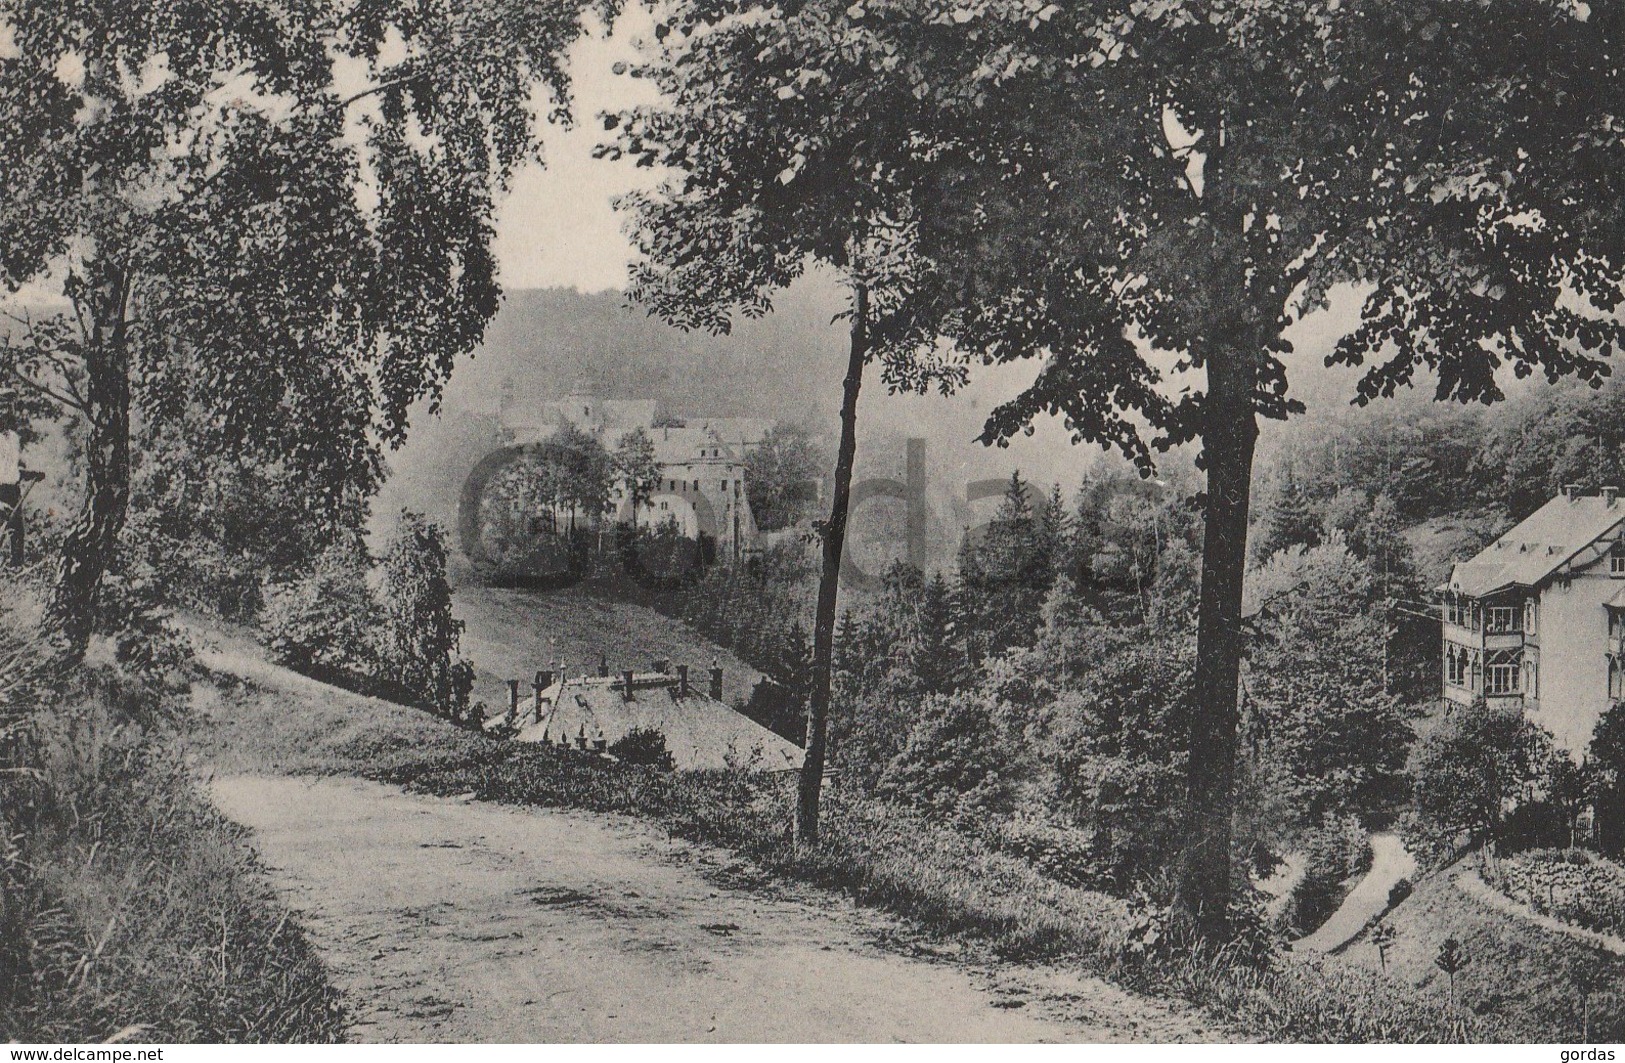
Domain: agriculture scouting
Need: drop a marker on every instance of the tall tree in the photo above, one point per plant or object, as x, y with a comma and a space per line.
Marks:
276, 212
774, 170
781, 474
639, 471
1125, 186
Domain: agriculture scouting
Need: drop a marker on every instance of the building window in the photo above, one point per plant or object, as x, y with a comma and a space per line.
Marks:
1616, 559
1502, 673
1501, 619
1461, 611
1455, 666
1616, 678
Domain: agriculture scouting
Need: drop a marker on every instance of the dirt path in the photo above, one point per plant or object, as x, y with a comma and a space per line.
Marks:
448, 920
1369, 898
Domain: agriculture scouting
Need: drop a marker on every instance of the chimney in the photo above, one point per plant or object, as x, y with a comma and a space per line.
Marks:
626, 684
682, 680
716, 681
1572, 491
603, 666
1609, 494
513, 699
662, 665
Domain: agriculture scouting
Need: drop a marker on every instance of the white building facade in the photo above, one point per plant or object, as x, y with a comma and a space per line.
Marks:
1536, 621
701, 490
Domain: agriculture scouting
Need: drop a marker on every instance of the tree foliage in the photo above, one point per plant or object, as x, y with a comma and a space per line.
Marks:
1091, 184
637, 468
420, 634
246, 240
1466, 770
781, 474
1328, 730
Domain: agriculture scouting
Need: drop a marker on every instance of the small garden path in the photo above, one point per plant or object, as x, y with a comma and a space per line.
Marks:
1369, 898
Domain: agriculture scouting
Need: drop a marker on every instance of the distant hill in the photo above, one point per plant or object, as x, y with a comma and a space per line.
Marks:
546, 343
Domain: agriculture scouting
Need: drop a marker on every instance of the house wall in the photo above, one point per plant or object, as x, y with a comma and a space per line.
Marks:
1573, 634
733, 522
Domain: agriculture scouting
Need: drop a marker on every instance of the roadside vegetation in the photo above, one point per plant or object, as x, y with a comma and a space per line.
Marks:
129, 908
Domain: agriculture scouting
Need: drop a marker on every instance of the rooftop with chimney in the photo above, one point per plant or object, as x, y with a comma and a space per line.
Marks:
591, 712
1544, 545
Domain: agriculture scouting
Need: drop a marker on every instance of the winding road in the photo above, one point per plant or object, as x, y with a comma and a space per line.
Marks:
458, 921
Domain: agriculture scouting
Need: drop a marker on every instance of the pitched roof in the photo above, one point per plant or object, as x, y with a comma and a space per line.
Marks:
679, 446
1539, 547
700, 731
741, 432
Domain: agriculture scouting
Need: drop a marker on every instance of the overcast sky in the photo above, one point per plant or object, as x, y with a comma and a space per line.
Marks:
556, 228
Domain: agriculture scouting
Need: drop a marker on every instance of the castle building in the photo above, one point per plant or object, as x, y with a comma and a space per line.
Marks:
701, 491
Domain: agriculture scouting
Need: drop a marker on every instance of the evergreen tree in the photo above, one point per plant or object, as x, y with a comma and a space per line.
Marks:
421, 634
940, 660
1054, 533
953, 763
1290, 521
1004, 574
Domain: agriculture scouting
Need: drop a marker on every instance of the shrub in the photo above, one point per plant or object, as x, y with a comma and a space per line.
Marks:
1474, 762
128, 906
953, 762
29, 669
325, 624
1568, 884
1608, 779
1335, 853
643, 746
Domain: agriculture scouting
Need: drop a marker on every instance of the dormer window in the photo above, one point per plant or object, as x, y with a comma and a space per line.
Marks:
1616, 559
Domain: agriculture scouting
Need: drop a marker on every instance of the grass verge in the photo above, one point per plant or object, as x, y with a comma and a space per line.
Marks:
131, 910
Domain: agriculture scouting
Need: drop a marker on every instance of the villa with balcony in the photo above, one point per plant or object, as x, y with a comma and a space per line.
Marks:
1536, 621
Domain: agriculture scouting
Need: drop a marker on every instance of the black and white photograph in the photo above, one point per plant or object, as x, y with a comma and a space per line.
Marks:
735, 522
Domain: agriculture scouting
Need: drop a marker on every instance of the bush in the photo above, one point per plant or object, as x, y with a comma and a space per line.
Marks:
29, 668
128, 906
952, 763
325, 624
1467, 768
644, 747
1608, 779
1568, 884
1334, 854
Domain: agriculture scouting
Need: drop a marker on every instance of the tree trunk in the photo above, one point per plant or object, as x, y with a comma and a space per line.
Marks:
91, 546
1229, 432
812, 768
